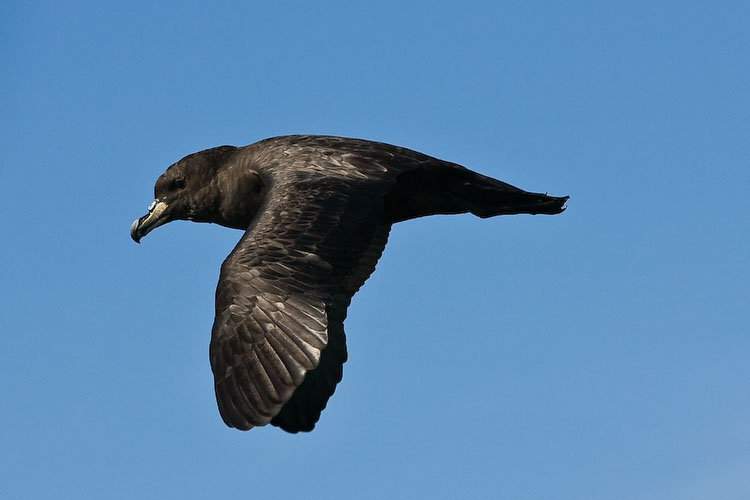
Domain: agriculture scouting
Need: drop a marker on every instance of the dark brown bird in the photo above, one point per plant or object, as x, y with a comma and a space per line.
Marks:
316, 211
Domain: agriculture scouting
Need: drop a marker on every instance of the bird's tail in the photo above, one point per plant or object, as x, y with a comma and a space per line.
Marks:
445, 188
487, 197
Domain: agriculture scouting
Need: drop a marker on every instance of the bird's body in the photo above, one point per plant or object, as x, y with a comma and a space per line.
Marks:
317, 211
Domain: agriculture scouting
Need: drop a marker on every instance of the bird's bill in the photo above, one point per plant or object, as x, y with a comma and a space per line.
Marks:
153, 219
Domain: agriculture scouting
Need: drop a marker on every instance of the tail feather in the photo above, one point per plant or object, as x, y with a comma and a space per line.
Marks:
447, 188
487, 197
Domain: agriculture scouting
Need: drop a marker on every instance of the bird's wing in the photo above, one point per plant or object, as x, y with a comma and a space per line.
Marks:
281, 300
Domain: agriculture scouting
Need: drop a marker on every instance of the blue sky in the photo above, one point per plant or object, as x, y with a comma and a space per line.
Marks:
602, 353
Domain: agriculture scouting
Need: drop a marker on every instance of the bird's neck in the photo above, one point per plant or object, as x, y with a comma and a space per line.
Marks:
241, 192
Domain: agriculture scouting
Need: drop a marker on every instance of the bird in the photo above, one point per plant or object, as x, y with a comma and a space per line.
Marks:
316, 213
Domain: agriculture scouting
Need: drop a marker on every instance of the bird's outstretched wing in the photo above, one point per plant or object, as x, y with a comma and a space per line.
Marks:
278, 344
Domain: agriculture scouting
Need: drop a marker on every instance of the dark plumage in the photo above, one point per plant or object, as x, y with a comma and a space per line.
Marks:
316, 212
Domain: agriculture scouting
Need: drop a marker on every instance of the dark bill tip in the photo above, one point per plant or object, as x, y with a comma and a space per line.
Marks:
155, 217
134, 233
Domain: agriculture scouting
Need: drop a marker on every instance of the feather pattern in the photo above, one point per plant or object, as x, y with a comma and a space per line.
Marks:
283, 291
316, 211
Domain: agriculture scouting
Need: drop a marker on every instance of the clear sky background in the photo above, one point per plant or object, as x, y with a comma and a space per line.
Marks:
601, 353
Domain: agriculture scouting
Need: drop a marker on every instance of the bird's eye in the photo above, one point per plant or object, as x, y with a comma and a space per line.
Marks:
178, 184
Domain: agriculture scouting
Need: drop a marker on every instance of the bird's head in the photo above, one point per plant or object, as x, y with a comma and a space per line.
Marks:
194, 189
